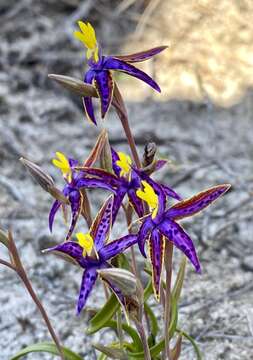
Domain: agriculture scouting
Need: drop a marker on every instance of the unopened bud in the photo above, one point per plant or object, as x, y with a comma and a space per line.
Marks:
124, 280
43, 179
75, 85
4, 238
149, 154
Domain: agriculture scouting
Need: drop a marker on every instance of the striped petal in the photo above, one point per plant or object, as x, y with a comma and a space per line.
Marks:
101, 226
174, 233
87, 100
141, 56
156, 252
88, 280
104, 84
117, 247
196, 203
120, 65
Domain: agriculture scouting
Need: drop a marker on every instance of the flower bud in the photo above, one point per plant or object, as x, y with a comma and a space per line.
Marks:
75, 85
43, 179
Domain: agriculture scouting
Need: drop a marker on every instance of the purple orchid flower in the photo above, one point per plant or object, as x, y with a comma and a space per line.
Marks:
162, 224
101, 67
92, 252
72, 191
125, 180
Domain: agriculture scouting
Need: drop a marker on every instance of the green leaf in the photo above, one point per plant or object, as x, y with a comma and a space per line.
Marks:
193, 342
148, 290
137, 344
153, 322
102, 357
176, 292
49, 348
156, 349
103, 315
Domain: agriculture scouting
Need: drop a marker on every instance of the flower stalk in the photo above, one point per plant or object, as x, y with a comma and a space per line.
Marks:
17, 266
167, 309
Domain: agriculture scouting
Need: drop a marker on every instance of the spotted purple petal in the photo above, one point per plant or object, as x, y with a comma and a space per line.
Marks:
70, 248
115, 158
55, 207
120, 65
117, 247
101, 226
94, 183
156, 251
170, 192
136, 202
88, 280
174, 233
75, 200
101, 174
118, 198
87, 101
104, 84
196, 203
143, 234
141, 56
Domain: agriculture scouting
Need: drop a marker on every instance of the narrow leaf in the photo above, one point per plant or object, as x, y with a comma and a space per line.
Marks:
193, 342
137, 344
152, 318
176, 292
103, 315
48, 348
156, 349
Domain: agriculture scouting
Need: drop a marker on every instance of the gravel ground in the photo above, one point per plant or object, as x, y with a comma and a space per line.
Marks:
207, 145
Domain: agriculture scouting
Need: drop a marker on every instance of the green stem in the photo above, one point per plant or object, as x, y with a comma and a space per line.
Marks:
167, 310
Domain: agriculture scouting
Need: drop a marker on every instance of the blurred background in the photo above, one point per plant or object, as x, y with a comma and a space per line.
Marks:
202, 122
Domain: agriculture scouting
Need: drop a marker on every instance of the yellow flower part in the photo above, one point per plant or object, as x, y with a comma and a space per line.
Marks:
148, 194
124, 163
86, 242
87, 36
63, 164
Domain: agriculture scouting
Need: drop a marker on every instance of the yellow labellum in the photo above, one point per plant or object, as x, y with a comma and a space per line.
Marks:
86, 242
87, 36
124, 163
62, 163
148, 194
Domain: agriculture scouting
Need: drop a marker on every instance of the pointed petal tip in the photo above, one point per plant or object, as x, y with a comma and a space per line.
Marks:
142, 250
198, 270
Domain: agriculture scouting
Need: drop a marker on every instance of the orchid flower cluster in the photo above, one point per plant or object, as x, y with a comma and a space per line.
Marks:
153, 211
